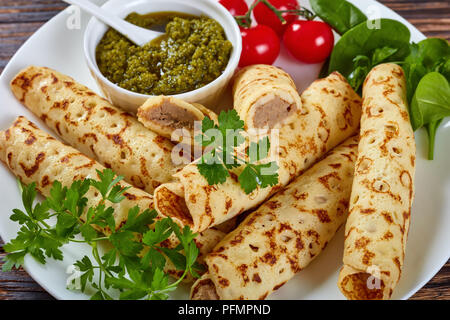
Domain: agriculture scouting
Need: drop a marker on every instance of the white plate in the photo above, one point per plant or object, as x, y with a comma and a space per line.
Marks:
56, 46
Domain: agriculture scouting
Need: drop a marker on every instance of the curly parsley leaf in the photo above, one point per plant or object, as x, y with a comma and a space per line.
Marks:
214, 173
258, 151
135, 263
229, 120
14, 260
205, 139
161, 232
262, 175
222, 156
139, 222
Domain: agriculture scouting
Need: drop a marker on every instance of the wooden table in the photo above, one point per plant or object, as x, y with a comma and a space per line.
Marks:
20, 18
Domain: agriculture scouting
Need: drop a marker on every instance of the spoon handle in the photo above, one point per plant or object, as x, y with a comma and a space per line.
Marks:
139, 36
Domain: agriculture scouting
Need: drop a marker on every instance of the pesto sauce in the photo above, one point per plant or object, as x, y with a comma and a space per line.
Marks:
193, 52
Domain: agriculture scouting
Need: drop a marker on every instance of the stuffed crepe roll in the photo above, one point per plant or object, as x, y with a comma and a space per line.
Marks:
383, 189
95, 127
34, 156
265, 96
330, 114
284, 234
164, 115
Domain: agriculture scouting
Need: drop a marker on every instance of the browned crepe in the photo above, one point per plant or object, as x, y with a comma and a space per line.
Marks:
35, 156
284, 234
330, 114
95, 127
265, 96
383, 189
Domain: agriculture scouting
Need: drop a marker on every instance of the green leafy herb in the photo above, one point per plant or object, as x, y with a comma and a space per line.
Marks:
426, 56
427, 72
363, 65
363, 47
430, 104
341, 15
221, 141
135, 263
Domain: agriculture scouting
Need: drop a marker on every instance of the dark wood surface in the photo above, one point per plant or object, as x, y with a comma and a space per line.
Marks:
20, 18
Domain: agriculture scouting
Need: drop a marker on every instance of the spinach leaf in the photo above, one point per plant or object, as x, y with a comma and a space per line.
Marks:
382, 54
364, 41
361, 69
363, 65
444, 68
430, 104
429, 51
428, 55
341, 15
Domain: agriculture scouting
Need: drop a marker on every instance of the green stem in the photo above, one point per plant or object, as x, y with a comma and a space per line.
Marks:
431, 148
84, 241
246, 20
305, 13
176, 283
97, 258
275, 10
101, 268
431, 130
43, 222
100, 239
19, 183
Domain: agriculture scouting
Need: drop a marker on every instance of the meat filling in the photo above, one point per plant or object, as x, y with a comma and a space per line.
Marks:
205, 290
273, 112
170, 115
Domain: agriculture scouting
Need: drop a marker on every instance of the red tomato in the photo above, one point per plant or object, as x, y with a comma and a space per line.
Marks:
236, 7
309, 41
263, 15
260, 44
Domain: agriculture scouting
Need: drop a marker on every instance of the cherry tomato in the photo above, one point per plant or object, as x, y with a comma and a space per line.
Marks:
309, 41
263, 15
236, 7
260, 44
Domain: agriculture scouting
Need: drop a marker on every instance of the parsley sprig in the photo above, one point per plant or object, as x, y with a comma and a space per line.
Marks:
134, 264
221, 142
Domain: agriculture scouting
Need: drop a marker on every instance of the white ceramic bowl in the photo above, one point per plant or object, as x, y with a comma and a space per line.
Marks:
130, 101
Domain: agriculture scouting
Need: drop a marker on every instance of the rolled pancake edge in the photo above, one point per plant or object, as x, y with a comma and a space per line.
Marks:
285, 233
383, 189
95, 127
35, 156
331, 113
265, 96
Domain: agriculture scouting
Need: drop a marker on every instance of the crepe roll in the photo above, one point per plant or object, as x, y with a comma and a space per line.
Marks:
265, 97
383, 189
34, 156
92, 125
284, 234
164, 115
330, 114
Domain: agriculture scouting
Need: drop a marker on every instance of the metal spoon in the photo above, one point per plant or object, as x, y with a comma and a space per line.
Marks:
137, 35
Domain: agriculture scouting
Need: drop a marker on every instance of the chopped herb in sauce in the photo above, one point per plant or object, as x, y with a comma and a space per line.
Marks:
193, 52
